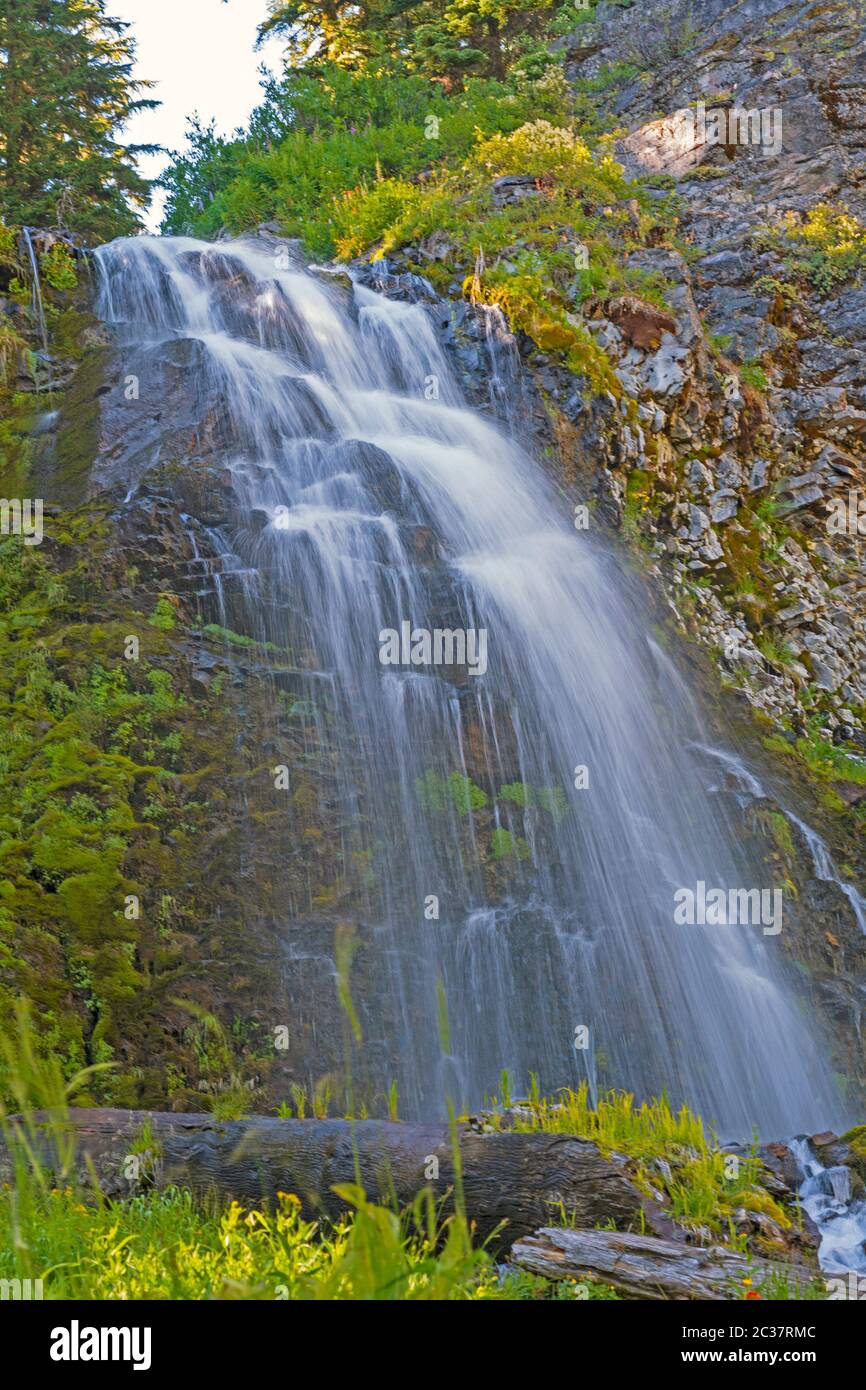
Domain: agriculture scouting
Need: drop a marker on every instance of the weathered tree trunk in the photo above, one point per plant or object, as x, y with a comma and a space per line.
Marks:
525, 1180
645, 1267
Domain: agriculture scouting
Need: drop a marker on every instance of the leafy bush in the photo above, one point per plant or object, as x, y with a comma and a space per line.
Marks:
439, 793
371, 161
825, 247
57, 264
668, 1148
504, 845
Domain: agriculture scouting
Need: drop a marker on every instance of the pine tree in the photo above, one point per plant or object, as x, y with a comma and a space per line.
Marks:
66, 91
449, 39
351, 33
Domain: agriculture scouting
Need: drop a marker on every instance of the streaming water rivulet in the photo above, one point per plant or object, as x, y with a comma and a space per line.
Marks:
361, 503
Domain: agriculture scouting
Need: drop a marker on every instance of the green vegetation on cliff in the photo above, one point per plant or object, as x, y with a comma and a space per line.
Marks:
377, 146
112, 798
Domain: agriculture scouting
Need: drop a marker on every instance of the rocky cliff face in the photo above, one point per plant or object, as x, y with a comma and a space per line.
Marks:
744, 482
752, 408
743, 478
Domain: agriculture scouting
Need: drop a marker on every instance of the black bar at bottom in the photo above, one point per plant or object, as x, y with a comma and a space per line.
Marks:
59, 1338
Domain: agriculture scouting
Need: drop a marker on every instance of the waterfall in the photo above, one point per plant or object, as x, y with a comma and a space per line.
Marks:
368, 496
37, 306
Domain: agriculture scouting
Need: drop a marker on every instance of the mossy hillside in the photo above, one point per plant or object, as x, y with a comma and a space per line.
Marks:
17, 417
828, 765
856, 1140
88, 741
131, 798
77, 436
30, 380
12, 343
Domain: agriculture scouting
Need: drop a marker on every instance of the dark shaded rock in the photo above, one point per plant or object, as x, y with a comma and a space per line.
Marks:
513, 188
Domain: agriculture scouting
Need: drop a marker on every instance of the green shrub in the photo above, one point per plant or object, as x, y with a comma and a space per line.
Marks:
439, 793
57, 264
504, 845
163, 615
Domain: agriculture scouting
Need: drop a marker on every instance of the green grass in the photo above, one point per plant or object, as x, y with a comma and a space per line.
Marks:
777, 652
670, 1151
165, 1245
825, 761
780, 828
161, 1245
752, 374
234, 639
616, 1122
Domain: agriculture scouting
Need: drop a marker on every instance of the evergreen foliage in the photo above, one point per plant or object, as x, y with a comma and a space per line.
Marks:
66, 92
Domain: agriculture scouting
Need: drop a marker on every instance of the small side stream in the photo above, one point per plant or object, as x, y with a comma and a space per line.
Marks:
826, 1194
750, 789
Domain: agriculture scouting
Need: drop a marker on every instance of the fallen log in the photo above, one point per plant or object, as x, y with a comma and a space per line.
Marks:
645, 1267
523, 1180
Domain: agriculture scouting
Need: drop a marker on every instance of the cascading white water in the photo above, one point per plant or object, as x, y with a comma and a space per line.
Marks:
822, 861
826, 1194
369, 495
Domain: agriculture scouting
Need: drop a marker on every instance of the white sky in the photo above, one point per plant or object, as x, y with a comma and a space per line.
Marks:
200, 54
